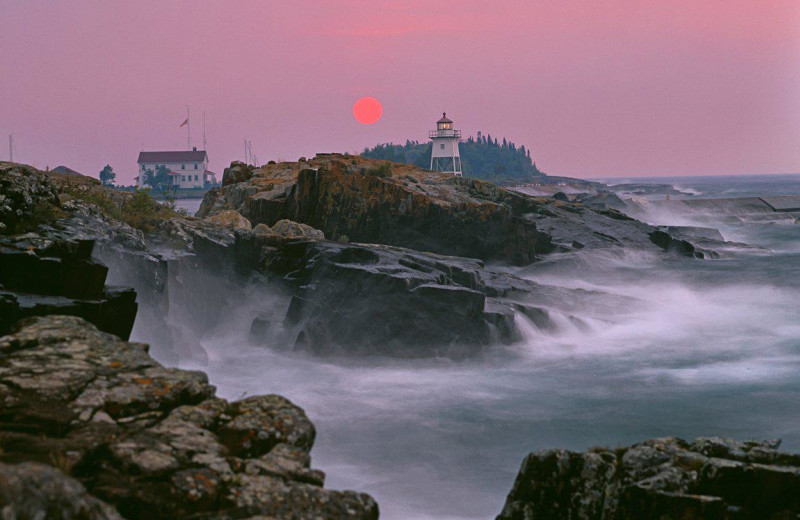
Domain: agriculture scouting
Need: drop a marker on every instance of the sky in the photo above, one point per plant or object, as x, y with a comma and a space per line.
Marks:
593, 88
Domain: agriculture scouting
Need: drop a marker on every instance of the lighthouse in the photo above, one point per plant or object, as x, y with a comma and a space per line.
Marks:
444, 152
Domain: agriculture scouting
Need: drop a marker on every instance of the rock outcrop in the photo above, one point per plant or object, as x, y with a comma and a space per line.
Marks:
711, 478
370, 201
367, 299
42, 276
132, 437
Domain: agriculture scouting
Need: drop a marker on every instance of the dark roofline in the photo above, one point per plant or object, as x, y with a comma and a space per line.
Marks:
174, 156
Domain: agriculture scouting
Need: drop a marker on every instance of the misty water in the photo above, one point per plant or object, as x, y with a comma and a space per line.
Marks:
675, 347
190, 205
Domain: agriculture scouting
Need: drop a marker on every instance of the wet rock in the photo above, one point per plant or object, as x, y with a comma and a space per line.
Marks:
710, 478
604, 200
369, 299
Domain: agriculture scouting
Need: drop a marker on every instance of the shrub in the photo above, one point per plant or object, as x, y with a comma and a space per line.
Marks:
381, 170
139, 209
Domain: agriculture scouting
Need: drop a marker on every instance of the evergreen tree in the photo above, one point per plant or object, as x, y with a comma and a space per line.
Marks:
107, 175
159, 180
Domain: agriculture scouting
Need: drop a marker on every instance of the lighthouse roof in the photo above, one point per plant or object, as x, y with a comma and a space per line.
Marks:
444, 118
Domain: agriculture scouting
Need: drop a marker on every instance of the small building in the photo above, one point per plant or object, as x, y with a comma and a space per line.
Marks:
188, 169
66, 171
444, 152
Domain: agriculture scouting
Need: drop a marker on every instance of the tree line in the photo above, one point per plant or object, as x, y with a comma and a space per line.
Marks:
483, 157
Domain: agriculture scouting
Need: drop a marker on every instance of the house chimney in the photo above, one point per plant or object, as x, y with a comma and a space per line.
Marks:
194, 148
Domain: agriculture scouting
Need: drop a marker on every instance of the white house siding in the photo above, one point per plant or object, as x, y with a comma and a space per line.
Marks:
191, 173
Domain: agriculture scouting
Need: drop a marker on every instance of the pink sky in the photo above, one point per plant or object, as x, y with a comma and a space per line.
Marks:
594, 88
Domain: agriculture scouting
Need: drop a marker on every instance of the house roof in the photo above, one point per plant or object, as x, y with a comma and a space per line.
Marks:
444, 118
64, 169
172, 157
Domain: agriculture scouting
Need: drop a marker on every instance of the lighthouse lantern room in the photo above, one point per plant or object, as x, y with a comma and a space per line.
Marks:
444, 152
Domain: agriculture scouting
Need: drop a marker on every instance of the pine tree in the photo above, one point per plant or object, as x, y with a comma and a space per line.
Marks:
107, 175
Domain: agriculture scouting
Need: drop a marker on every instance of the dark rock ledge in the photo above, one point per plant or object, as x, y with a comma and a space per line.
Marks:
712, 478
91, 427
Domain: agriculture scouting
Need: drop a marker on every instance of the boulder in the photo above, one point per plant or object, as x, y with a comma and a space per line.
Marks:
229, 219
711, 478
33, 490
289, 229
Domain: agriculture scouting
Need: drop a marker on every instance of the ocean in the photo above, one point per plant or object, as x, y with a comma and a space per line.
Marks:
708, 347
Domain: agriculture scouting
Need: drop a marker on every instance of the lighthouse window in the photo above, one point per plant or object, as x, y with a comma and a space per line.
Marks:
441, 146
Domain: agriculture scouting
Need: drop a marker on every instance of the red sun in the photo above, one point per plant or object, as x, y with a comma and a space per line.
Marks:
367, 110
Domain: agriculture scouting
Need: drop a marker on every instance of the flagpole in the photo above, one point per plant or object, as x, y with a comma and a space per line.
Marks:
188, 130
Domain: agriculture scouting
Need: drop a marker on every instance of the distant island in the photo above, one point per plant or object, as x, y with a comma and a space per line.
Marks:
482, 157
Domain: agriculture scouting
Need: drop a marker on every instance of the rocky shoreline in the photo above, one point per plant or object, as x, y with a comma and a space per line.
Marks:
153, 442
357, 259
711, 478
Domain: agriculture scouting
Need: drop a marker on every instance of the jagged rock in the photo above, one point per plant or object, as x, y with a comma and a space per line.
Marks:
229, 219
151, 441
604, 200
238, 172
711, 478
24, 191
369, 299
43, 275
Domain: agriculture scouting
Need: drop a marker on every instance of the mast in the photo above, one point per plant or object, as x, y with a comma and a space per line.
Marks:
188, 130
204, 130
10, 147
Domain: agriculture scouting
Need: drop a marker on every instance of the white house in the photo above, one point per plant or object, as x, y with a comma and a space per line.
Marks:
187, 169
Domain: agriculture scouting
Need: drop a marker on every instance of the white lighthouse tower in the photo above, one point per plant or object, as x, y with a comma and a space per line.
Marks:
444, 153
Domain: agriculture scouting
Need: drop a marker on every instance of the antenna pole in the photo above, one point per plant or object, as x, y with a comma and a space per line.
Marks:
10, 147
188, 130
204, 130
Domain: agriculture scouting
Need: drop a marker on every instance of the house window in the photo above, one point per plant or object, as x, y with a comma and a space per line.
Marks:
195, 177
144, 168
183, 177
183, 166
441, 146
195, 166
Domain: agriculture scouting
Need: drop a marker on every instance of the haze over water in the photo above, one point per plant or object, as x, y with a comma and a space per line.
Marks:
673, 347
